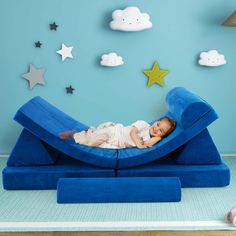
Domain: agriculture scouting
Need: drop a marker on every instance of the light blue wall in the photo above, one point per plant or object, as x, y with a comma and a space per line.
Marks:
181, 30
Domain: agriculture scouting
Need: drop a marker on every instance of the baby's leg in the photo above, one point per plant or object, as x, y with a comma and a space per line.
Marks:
81, 137
92, 138
67, 134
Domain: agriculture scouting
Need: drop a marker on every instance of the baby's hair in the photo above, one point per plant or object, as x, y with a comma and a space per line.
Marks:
172, 124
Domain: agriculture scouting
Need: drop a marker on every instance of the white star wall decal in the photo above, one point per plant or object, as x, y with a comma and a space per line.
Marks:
65, 52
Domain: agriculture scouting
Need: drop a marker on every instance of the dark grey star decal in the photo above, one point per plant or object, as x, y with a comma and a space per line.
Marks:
38, 44
69, 89
53, 26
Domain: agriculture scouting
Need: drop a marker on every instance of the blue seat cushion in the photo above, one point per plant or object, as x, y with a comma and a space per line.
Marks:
189, 175
47, 176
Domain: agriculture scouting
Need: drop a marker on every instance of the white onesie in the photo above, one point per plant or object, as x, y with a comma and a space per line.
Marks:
110, 135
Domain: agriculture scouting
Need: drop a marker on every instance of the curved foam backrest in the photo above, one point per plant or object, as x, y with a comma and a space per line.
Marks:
98, 190
186, 107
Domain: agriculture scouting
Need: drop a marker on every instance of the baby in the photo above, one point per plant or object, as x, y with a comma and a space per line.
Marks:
109, 135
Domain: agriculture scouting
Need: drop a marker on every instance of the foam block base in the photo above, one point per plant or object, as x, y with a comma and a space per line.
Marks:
101, 190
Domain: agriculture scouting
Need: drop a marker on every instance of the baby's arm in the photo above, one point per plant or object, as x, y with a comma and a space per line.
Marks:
150, 142
135, 138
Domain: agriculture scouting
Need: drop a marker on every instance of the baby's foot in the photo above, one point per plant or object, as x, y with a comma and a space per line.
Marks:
67, 134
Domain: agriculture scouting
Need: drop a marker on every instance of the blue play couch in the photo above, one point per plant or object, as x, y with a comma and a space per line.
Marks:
188, 157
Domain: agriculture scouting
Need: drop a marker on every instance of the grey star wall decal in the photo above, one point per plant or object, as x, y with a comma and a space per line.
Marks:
69, 89
34, 76
53, 26
38, 44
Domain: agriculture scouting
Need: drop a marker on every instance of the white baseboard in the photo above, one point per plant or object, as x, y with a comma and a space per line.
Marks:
4, 155
228, 154
112, 224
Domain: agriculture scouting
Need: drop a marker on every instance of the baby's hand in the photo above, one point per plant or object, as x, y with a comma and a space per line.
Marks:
149, 143
143, 146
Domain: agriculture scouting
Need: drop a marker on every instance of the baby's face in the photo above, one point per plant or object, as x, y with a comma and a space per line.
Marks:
160, 128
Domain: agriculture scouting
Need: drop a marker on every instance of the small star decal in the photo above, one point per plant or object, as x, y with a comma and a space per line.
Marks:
38, 44
70, 89
53, 26
156, 75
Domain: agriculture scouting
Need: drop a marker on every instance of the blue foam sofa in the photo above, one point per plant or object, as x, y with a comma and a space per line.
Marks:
40, 159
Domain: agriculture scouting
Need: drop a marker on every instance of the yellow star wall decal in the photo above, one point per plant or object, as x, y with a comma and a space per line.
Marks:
155, 75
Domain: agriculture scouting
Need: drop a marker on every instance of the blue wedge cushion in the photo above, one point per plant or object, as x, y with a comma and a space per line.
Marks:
29, 150
46, 121
199, 150
100, 190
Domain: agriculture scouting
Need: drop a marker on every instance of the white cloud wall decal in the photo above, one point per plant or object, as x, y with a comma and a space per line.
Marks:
212, 58
111, 59
130, 19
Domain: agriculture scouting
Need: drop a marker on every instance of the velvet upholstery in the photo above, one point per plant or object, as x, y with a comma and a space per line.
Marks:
100, 190
45, 122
